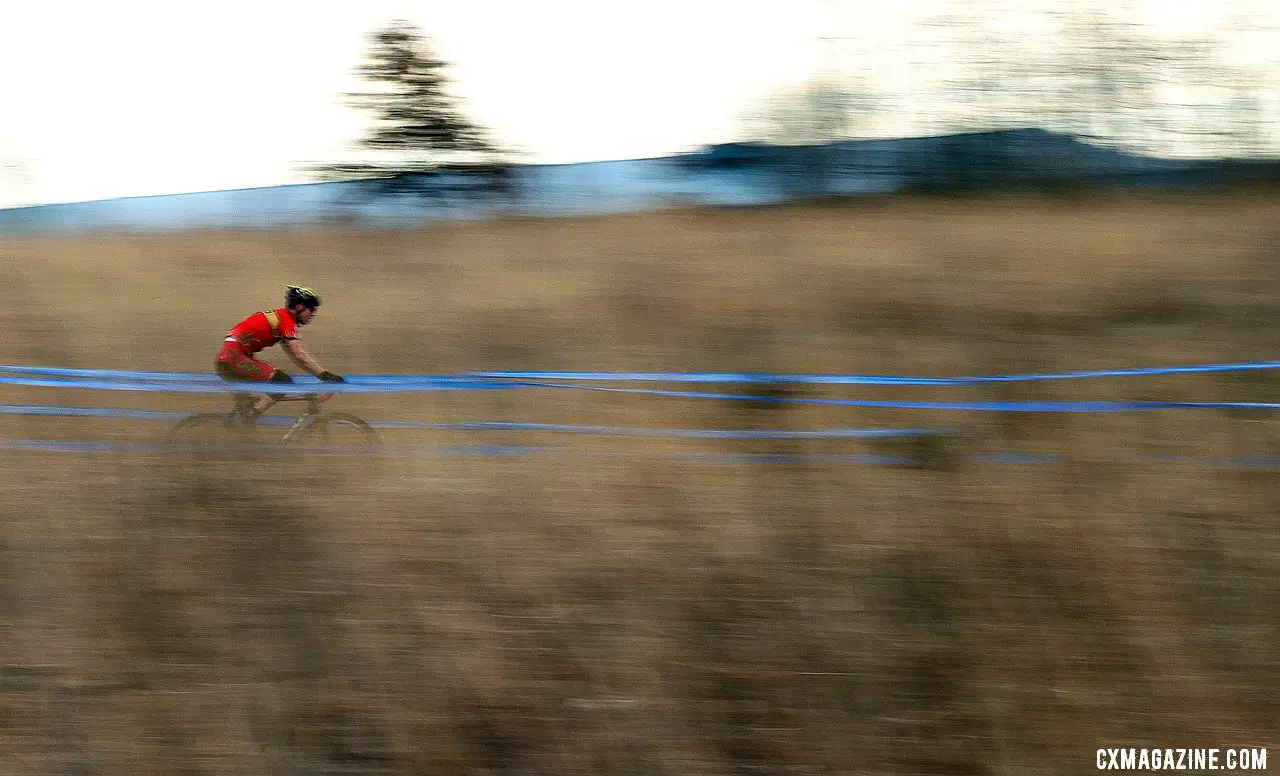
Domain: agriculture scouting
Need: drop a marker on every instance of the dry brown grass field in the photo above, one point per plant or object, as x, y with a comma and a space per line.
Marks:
610, 607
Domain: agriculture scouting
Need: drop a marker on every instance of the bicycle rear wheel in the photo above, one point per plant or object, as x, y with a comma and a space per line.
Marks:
207, 429
342, 431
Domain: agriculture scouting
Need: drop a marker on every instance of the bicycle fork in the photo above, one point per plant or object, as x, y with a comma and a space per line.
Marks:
302, 420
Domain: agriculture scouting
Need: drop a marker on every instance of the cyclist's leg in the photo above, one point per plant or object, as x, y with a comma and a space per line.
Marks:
242, 402
277, 376
234, 365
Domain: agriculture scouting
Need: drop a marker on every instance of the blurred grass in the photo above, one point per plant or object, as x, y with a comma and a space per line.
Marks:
618, 611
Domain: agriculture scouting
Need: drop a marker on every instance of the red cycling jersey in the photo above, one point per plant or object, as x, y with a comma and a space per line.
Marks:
257, 332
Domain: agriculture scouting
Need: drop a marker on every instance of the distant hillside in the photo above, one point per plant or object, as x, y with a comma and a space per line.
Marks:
728, 174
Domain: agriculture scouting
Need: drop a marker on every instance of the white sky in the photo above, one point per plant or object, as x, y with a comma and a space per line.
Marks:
133, 97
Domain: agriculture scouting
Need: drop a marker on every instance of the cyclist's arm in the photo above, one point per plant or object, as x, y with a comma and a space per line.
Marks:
299, 356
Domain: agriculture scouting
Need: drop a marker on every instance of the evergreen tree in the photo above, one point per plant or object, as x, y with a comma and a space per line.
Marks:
421, 141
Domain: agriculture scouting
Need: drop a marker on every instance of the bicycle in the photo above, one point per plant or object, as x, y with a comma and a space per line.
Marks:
311, 426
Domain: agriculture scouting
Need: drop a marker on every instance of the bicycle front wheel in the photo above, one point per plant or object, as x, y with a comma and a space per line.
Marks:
342, 431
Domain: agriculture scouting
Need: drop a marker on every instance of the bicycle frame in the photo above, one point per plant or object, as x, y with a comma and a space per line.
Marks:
308, 415
309, 423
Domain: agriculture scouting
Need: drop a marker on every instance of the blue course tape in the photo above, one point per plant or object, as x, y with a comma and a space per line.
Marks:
89, 412
215, 385
867, 458
982, 406
64, 446
838, 379
724, 377
689, 433
59, 446
198, 383
107, 374
685, 433
672, 377
783, 458
209, 377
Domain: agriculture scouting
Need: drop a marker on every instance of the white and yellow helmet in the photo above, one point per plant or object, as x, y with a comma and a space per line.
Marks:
295, 295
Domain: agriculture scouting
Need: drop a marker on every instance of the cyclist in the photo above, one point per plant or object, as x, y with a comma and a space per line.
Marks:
235, 362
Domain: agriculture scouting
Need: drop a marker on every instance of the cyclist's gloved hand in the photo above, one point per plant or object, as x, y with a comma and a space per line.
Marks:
329, 377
